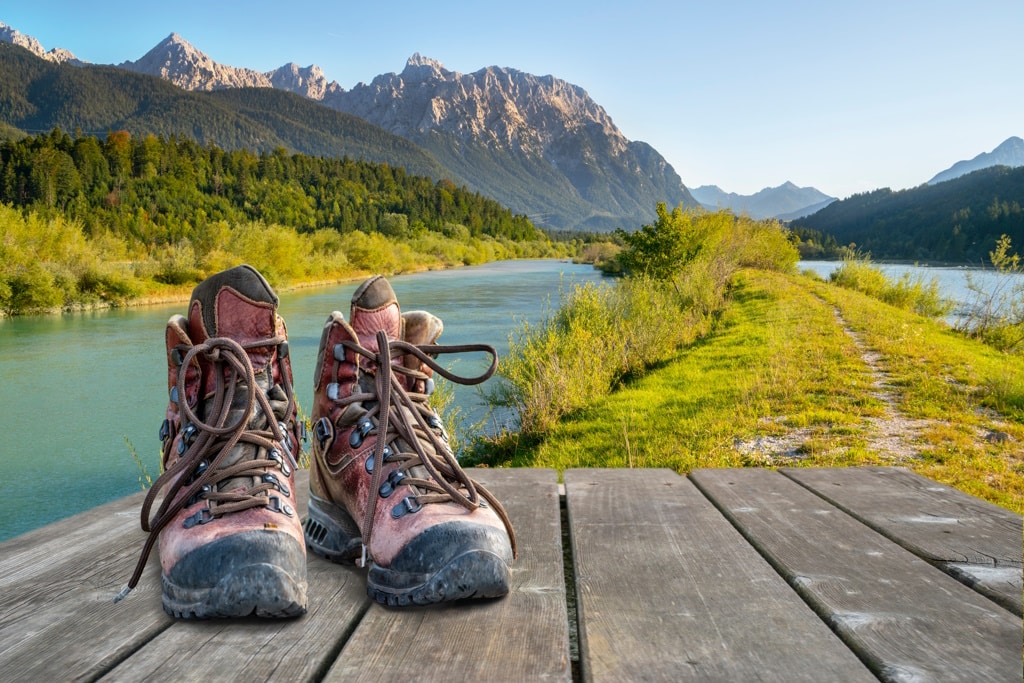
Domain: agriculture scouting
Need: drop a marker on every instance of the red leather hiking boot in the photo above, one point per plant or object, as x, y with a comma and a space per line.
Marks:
384, 484
231, 542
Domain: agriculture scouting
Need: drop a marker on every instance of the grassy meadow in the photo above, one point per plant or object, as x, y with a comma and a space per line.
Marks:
786, 370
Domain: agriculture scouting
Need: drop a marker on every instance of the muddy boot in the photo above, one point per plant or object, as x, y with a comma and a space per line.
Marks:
385, 488
231, 542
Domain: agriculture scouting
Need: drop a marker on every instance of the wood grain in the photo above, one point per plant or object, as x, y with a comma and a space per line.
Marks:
668, 590
969, 538
906, 619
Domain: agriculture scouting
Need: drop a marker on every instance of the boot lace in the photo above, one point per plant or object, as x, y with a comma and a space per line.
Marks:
407, 416
197, 472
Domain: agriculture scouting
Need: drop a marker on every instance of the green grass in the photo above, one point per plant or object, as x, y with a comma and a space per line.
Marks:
780, 382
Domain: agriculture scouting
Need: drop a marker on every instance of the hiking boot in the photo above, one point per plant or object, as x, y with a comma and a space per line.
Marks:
385, 488
231, 542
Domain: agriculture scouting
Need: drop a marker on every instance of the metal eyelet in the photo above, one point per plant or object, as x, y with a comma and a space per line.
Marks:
428, 387
389, 486
176, 357
359, 434
333, 391
199, 495
388, 453
204, 516
165, 429
271, 478
275, 504
282, 350
339, 352
369, 464
275, 455
323, 431
174, 394
198, 471
406, 505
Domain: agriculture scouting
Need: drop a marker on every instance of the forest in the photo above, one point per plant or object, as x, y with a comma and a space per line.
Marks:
90, 221
956, 221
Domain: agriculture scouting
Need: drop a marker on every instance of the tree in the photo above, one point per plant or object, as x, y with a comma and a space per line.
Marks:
660, 250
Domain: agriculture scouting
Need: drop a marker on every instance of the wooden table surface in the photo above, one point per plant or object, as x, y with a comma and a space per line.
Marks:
855, 574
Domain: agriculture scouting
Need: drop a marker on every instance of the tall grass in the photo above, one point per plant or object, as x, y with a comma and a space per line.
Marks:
602, 335
911, 292
599, 335
995, 313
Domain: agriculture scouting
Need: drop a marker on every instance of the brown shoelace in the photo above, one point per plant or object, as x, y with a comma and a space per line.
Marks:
446, 480
186, 479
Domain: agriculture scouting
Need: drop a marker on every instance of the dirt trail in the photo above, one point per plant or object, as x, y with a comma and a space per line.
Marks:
893, 435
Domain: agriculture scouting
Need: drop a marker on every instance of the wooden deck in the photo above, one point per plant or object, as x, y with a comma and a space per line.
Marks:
624, 575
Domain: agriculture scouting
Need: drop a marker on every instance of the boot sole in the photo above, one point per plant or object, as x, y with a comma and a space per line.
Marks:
248, 574
476, 573
473, 574
261, 590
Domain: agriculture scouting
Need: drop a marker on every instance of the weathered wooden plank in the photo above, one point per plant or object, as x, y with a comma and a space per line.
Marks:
969, 538
669, 590
905, 618
73, 539
523, 636
58, 620
259, 649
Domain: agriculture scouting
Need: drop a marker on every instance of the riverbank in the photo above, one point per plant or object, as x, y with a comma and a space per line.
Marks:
801, 372
181, 293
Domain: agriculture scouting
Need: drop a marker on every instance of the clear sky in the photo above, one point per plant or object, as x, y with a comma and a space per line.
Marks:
844, 96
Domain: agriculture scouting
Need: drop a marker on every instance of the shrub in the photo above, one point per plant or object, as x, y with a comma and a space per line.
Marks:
910, 292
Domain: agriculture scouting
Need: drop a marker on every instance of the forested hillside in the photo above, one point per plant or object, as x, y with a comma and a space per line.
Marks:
958, 221
37, 96
105, 221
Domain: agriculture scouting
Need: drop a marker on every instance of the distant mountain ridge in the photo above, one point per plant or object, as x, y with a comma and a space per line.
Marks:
38, 95
57, 55
1009, 153
521, 129
539, 145
785, 202
176, 60
956, 221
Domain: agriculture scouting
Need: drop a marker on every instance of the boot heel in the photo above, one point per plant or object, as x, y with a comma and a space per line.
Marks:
331, 532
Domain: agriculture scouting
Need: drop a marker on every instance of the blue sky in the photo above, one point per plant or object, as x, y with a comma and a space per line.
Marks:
844, 96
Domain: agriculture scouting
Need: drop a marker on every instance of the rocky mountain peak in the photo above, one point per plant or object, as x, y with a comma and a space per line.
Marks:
59, 55
175, 59
307, 81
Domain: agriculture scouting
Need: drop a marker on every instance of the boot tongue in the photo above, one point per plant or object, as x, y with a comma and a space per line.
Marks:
420, 328
238, 303
375, 308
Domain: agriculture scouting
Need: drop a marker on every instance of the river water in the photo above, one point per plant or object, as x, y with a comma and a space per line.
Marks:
77, 389
952, 280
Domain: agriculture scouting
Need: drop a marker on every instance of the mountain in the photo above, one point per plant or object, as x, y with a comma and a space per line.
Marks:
956, 221
1009, 153
539, 145
15, 37
38, 96
176, 60
787, 201
535, 143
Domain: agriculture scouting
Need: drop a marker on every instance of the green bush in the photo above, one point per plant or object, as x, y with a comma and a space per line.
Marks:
910, 292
